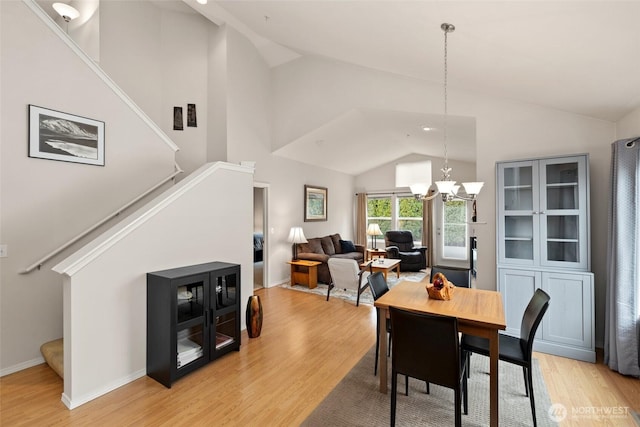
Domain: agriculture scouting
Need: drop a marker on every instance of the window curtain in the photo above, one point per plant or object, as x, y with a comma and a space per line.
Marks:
361, 219
427, 228
623, 260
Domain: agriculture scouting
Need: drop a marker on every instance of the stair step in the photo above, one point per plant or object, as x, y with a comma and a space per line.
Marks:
53, 353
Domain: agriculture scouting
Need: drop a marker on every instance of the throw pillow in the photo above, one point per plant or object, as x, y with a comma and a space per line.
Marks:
347, 246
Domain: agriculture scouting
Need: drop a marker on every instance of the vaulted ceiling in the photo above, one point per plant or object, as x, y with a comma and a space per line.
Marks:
575, 56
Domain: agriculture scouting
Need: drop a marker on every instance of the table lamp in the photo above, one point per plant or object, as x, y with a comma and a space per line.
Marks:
296, 235
374, 230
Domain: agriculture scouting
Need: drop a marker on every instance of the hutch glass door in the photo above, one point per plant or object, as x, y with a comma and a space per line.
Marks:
519, 207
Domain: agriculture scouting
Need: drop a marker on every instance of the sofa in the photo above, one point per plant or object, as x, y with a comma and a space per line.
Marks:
322, 248
399, 245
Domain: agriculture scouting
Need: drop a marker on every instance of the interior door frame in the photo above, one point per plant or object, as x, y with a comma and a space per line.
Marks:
265, 230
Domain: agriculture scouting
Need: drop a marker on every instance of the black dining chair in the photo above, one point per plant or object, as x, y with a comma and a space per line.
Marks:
379, 287
516, 350
458, 276
426, 347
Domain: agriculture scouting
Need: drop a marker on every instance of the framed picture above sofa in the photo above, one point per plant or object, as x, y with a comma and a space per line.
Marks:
315, 203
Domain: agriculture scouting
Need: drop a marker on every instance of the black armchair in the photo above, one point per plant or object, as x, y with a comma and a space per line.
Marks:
399, 245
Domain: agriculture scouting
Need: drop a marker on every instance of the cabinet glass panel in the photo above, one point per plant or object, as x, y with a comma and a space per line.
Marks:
226, 287
225, 330
562, 251
562, 227
518, 227
519, 249
189, 345
190, 301
562, 238
562, 186
518, 188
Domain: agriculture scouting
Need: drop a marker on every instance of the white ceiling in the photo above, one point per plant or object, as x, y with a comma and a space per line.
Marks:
578, 56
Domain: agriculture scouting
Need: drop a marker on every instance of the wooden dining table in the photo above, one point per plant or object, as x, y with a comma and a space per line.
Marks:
479, 312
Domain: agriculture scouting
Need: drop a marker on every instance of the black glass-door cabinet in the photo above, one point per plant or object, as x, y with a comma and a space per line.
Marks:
193, 317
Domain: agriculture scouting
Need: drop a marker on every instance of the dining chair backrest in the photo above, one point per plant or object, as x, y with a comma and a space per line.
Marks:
426, 347
531, 320
378, 285
345, 273
458, 276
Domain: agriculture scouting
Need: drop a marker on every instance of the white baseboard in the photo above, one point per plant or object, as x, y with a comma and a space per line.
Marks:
20, 366
74, 403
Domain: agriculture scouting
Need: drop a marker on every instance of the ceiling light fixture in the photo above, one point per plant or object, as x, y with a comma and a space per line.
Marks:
446, 187
67, 12
202, 1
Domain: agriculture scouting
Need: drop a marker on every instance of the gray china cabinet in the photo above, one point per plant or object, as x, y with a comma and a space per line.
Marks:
543, 242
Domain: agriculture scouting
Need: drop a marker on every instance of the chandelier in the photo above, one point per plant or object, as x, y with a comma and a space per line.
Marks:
446, 187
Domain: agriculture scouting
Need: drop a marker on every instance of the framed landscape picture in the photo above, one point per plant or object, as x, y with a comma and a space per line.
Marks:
61, 136
315, 203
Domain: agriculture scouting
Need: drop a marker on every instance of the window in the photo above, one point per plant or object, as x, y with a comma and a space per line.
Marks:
395, 212
379, 212
410, 216
454, 226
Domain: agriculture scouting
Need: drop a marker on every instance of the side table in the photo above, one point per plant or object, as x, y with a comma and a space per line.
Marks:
304, 272
375, 253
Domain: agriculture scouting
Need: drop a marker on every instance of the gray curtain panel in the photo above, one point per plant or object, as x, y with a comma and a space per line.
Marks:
623, 263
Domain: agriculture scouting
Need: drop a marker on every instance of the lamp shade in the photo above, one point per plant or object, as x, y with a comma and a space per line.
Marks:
374, 230
67, 12
472, 188
445, 187
296, 235
420, 188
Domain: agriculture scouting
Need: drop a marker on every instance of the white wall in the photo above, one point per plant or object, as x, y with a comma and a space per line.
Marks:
160, 58
629, 126
45, 203
310, 91
105, 282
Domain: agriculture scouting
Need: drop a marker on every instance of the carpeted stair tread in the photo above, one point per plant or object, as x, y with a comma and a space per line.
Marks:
53, 354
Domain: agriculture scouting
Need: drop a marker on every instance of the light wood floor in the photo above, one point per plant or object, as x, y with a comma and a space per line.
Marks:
307, 345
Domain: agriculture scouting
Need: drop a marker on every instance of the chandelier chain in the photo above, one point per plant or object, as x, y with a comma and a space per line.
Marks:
446, 126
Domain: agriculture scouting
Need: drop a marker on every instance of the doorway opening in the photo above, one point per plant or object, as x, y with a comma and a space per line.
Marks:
260, 241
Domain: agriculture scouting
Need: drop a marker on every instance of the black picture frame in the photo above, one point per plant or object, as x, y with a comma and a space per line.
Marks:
54, 135
192, 120
177, 119
315, 203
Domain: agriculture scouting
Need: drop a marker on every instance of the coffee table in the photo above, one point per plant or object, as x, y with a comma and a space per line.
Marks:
383, 264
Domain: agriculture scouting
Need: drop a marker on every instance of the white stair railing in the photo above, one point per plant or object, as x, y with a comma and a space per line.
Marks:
47, 257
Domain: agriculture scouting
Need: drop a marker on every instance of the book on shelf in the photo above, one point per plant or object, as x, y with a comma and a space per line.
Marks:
188, 351
222, 340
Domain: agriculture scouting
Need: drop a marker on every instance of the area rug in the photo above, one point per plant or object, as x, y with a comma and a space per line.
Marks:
351, 295
356, 401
